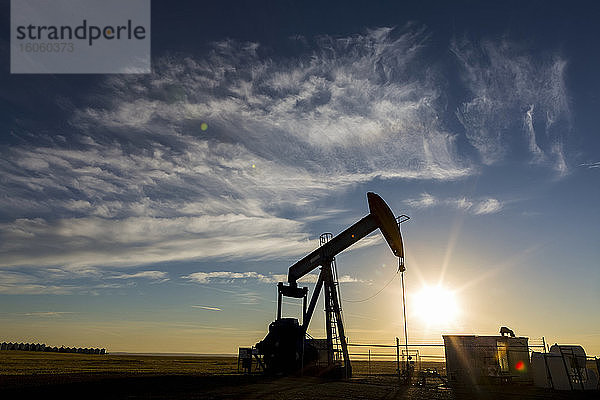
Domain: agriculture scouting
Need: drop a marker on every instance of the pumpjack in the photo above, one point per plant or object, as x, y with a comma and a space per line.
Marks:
287, 348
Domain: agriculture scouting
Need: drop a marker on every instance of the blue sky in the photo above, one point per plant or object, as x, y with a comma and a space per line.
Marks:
125, 224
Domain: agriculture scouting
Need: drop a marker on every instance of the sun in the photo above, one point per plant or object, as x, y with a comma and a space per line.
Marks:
436, 306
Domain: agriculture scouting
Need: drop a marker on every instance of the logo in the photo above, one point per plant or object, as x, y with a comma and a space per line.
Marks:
80, 36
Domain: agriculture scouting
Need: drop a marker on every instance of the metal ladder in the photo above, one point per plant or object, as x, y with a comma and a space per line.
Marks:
338, 357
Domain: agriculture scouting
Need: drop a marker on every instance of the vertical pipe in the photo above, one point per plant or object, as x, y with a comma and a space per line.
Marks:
369, 362
303, 331
405, 328
302, 359
304, 308
279, 300
398, 356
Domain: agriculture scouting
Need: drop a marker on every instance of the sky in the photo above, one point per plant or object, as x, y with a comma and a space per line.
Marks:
157, 212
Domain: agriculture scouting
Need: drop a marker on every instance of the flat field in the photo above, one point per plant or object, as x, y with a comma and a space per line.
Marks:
57, 375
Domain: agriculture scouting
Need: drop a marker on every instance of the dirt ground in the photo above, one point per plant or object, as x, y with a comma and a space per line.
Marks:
46, 375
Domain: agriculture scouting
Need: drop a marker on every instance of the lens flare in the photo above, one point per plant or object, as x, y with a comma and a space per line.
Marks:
520, 366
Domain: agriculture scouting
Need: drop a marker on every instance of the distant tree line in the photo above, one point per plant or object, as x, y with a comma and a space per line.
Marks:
43, 347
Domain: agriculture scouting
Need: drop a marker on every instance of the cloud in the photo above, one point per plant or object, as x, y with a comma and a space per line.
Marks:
29, 288
348, 108
208, 308
426, 200
513, 90
48, 313
538, 154
70, 280
475, 206
153, 275
142, 240
138, 179
487, 206
591, 165
141, 182
348, 279
227, 277
21, 283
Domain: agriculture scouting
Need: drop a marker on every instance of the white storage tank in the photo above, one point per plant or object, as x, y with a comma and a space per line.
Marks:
563, 368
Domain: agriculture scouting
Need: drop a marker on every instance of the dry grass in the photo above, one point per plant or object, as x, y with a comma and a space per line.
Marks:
38, 363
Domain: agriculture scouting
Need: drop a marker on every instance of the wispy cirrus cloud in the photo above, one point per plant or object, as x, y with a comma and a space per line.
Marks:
152, 275
591, 165
48, 313
313, 278
208, 308
143, 240
426, 200
514, 91
487, 206
34, 288
207, 277
71, 280
228, 276
140, 180
480, 206
12, 282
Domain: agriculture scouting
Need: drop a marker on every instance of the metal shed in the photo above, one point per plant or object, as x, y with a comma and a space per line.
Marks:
472, 359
